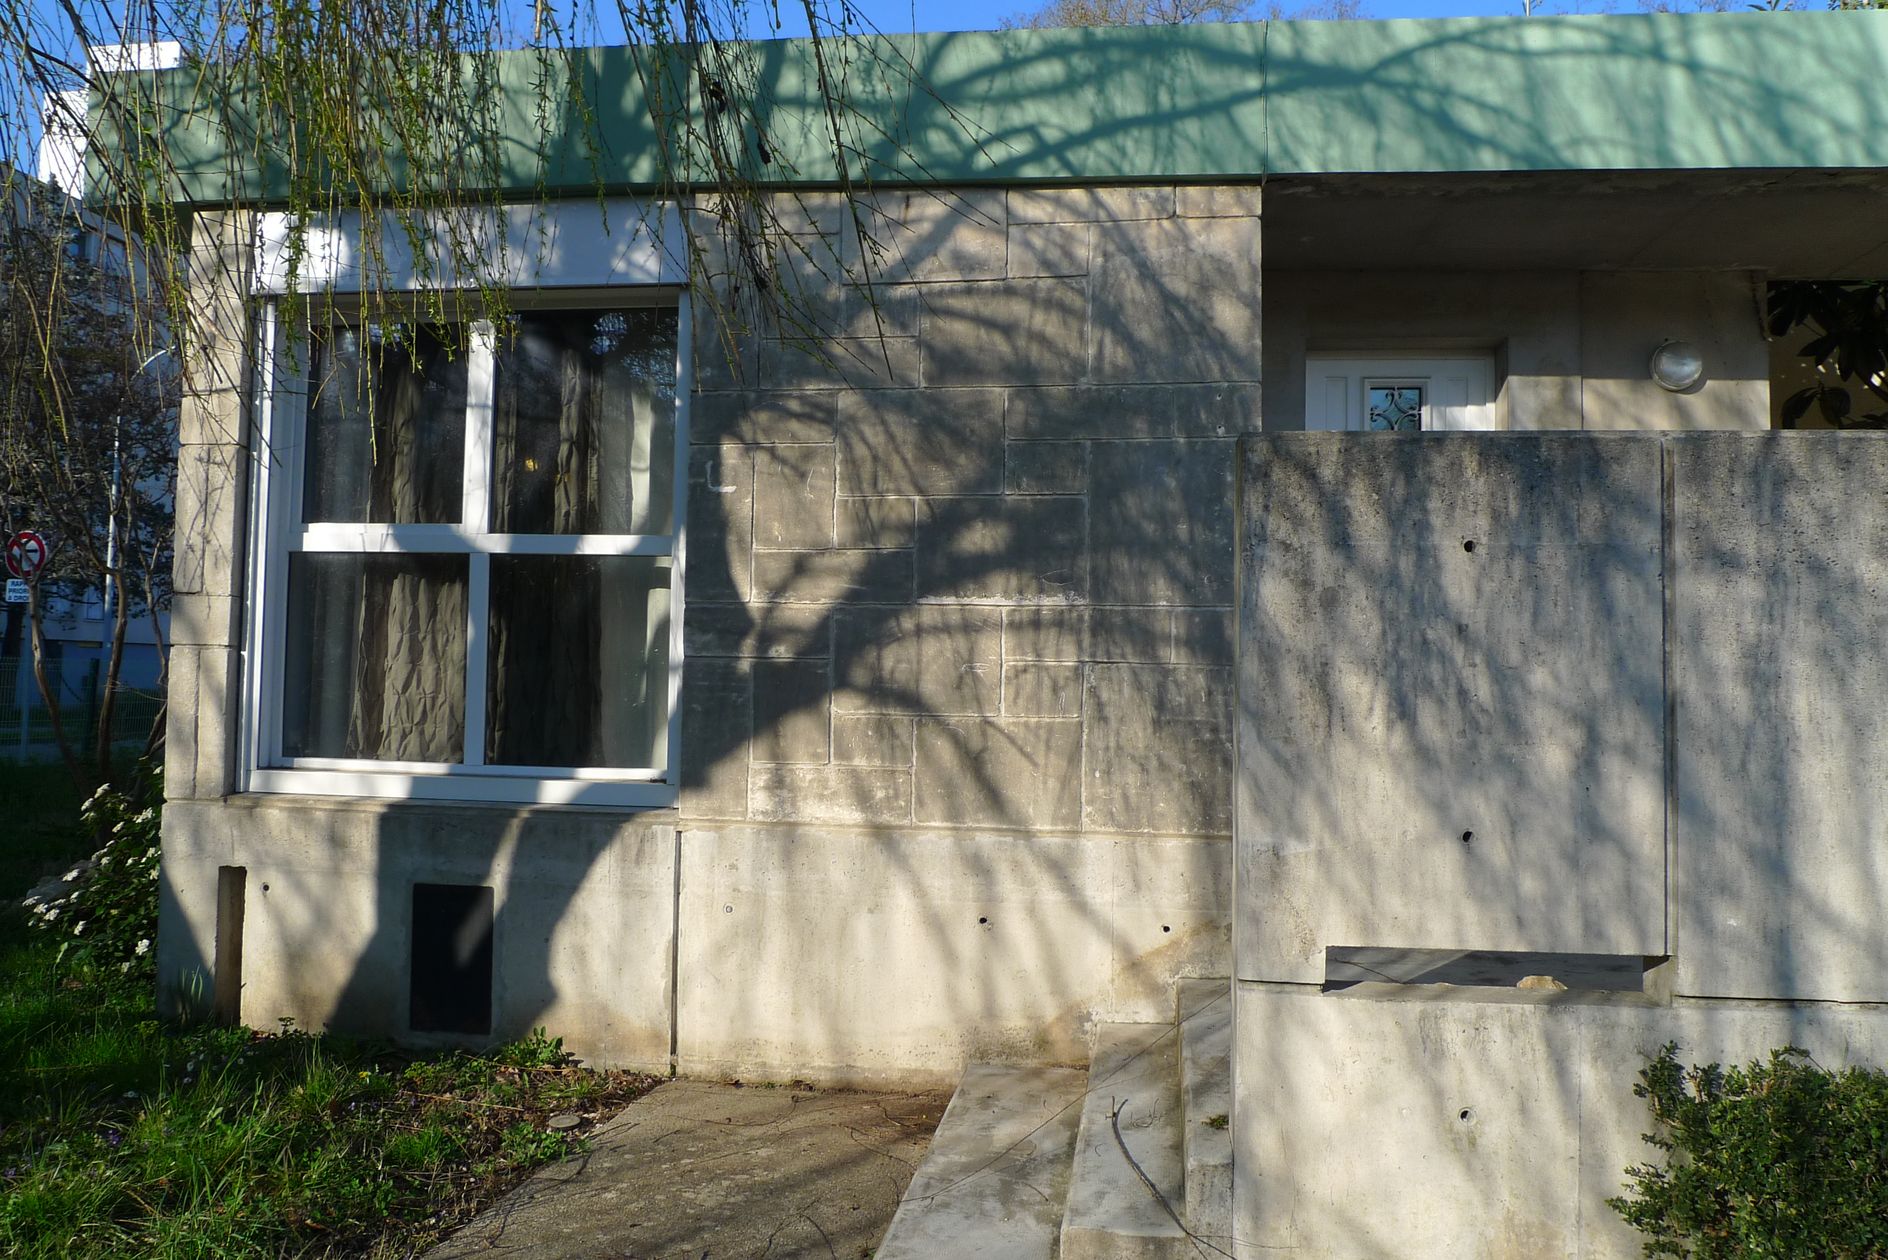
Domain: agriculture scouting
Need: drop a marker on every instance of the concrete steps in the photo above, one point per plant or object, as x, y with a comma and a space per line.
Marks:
996, 1176
1027, 1164
1205, 1014
1134, 1078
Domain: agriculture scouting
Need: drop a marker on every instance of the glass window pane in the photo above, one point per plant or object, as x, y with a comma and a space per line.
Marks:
374, 665
584, 426
579, 668
386, 427
1395, 408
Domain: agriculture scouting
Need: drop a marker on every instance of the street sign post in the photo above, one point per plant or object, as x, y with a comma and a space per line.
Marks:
26, 554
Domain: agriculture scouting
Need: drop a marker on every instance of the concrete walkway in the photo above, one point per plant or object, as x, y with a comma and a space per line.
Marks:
707, 1171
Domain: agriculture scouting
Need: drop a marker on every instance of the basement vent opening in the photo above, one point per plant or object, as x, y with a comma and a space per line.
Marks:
1345, 966
452, 959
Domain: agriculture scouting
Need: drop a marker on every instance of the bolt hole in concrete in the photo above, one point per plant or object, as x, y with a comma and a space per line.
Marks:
983, 919
1468, 837
1469, 546
1166, 927
1466, 1115
1345, 966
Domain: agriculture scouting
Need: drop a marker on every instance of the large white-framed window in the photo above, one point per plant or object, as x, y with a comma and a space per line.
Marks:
469, 548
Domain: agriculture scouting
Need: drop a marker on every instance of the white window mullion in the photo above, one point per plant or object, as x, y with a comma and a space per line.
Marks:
480, 382
684, 386
478, 594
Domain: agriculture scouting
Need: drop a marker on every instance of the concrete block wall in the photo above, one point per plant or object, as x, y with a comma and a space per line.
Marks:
957, 743
958, 738
976, 572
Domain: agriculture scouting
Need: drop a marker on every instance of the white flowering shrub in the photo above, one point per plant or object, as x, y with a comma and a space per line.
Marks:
106, 911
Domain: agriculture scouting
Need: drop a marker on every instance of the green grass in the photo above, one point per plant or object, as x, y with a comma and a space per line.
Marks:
122, 1136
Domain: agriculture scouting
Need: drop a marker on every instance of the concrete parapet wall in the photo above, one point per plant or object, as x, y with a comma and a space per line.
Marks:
1568, 693
1614, 695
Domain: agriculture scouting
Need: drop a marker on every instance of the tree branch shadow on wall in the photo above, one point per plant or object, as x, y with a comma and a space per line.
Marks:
1165, 549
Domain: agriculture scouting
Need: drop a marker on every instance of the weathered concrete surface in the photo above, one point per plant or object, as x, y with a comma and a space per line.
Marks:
704, 1171
1412, 1129
862, 955
995, 1179
581, 939
1780, 659
1452, 717
1112, 1215
1044, 429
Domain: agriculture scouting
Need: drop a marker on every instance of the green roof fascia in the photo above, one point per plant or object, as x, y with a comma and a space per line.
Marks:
1231, 101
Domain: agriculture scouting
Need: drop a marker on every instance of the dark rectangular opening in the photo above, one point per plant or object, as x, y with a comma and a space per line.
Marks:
1486, 969
452, 959
227, 997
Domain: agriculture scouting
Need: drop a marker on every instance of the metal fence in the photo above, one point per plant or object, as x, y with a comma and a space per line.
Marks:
26, 723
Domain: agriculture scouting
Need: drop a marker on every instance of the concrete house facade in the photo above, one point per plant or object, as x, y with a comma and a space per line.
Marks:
866, 698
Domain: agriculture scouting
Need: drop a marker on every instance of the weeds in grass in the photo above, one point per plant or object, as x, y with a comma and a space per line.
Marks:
119, 1136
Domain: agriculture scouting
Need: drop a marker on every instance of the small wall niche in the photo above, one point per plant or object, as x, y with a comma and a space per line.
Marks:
226, 1007
451, 963
1545, 973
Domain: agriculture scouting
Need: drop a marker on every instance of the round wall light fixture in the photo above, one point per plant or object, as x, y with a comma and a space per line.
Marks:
1677, 366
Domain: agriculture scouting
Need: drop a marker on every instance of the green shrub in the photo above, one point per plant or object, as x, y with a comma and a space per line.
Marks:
1776, 1159
107, 911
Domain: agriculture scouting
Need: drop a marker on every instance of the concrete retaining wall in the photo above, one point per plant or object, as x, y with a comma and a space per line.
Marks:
1599, 694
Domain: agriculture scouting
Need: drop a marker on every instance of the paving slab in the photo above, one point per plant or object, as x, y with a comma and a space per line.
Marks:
708, 1171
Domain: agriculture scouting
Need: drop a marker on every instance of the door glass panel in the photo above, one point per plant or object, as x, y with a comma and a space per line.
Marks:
1393, 408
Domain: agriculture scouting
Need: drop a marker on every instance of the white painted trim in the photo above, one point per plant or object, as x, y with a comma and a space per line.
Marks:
460, 540
557, 244
475, 789
277, 533
684, 391
1336, 386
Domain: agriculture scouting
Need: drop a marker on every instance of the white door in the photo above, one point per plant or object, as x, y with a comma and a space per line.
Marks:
1378, 394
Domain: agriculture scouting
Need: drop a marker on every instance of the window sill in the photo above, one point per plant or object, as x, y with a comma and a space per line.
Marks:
463, 789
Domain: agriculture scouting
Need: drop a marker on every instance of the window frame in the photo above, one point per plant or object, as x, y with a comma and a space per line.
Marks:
277, 477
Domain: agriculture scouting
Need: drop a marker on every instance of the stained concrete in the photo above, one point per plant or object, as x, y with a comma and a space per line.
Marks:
859, 955
1452, 697
707, 1171
1781, 706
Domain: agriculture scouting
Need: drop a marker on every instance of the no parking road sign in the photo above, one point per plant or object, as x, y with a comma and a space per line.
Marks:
26, 554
